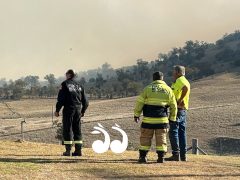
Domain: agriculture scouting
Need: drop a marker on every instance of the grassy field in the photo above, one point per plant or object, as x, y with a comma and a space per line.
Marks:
214, 117
41, 161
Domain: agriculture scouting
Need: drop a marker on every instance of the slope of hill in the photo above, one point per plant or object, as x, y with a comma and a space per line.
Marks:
42, 161
214, 117
200, 58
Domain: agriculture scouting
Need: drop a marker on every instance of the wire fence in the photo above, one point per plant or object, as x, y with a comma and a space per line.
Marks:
55, 125
220, 142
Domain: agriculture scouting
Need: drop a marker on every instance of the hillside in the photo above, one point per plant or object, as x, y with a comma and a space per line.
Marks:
201, 59
42, 161
213, 117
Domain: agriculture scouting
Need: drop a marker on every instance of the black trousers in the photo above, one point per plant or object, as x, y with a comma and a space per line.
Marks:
72, 128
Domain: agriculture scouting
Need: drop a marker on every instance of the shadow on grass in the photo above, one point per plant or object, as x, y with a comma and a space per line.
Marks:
65, 160
112, 172
237, 124
225, 145
108, 173
168, 176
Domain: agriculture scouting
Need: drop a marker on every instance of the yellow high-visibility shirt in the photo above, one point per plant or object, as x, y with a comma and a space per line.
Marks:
177, 90
157, 94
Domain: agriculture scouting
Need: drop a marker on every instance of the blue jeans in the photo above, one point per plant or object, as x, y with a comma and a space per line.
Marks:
177, 134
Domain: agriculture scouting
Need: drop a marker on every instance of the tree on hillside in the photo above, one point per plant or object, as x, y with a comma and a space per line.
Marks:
52, 88
108, 89
204, 69
117, 88
7, 92
200, 59
51, 79
107, 71
17, 89
43, 92
99, 84
3, 81
32, 84
220, 43
142, 69
82, 81
227, 54
192, 72
232, 37
134, 88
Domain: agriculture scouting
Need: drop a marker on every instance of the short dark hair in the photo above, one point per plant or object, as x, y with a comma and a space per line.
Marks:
71, 73
157, 76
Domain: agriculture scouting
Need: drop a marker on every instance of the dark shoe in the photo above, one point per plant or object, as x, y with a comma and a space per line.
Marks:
142, 156
161, 155
160, 160
183, 158
67, 153
175, 157
77, 153
142, 160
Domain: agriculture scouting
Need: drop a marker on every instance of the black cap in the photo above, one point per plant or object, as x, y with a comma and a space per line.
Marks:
71, 72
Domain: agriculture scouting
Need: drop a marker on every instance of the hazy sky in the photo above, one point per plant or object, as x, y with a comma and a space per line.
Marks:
49, 36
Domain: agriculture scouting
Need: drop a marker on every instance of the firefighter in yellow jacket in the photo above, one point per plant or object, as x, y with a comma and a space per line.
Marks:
154, 102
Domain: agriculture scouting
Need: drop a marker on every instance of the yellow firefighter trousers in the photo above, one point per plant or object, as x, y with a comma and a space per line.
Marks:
146, 139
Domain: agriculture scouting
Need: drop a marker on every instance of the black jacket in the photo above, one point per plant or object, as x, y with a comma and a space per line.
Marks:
71, 95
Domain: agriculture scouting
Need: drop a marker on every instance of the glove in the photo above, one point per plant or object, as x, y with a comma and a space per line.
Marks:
136, 119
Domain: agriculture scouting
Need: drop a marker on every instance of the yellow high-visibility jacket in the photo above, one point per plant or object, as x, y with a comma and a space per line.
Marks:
177, 90
154, 101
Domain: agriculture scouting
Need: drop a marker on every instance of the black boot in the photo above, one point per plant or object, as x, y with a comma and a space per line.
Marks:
68, 150
77, 153
174, 157
183, 157
78, 150
160, 157
142, 157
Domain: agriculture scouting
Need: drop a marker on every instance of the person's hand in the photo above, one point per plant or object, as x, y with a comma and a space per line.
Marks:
180, 103
56, 114
136, 119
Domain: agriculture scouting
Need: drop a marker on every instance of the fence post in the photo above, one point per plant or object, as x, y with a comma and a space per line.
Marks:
195, 146
22, 129
52, 117
220, 144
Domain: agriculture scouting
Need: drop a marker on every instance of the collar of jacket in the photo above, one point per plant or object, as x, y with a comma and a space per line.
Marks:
158, 82
181, 77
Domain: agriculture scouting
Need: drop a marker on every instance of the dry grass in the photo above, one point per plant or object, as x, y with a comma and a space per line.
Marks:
41, 161
205, 124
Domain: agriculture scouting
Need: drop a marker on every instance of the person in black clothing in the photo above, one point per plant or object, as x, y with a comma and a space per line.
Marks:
72, 97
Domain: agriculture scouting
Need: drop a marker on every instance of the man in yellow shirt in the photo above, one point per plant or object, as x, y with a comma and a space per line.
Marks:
177, 133
154, 102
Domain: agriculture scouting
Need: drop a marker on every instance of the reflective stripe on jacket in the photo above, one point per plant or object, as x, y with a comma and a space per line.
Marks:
154, 101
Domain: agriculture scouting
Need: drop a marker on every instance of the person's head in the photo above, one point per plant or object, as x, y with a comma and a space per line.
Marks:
178, 71
70, 74
157, 76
